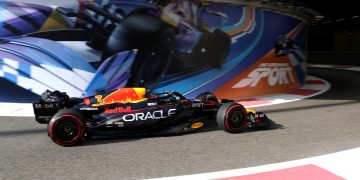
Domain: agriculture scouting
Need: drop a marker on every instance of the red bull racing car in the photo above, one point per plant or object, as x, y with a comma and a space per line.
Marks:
131, 111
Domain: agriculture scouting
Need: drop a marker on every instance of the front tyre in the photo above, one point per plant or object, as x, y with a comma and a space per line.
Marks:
232, 117
67, 128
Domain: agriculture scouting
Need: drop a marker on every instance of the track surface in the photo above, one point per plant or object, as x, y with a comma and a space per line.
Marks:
306, 128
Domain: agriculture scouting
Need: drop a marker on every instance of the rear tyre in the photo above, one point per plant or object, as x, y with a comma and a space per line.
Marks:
66, 128
232, 117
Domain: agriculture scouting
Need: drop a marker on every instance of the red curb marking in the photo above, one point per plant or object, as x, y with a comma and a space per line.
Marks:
251, 102
304, 92
308, 172
315, 82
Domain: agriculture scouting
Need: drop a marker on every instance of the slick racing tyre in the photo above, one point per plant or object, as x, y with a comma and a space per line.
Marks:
66, 128
232, 117
207, 96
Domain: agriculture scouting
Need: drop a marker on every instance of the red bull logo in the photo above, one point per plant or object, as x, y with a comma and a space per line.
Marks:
117, 110
122, 95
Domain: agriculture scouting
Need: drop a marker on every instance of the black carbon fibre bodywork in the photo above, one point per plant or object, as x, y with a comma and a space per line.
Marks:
158, 114
132, 112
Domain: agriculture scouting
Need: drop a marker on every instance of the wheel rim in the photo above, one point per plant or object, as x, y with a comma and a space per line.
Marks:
236, 119
67, 130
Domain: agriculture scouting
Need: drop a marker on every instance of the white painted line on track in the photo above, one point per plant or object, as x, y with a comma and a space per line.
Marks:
16, 109
344, 164
288, 97
334, 66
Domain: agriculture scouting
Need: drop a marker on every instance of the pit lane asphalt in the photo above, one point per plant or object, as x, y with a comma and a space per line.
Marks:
324, 124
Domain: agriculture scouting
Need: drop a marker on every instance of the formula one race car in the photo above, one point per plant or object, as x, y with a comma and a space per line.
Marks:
130, 111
